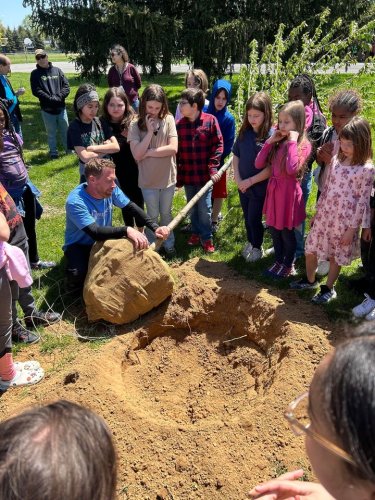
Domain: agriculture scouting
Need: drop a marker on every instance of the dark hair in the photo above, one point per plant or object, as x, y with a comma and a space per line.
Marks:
153, 92
121, 52
95, 166
200, 79
56, 452
82, 89
261, 102
128, 113
349, 395
359, 132
348, 99
307, 85
194, 96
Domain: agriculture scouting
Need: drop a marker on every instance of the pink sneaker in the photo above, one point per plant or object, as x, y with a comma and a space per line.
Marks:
208, 246
194, 240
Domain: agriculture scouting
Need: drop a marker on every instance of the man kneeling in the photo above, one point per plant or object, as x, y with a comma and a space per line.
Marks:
89, 209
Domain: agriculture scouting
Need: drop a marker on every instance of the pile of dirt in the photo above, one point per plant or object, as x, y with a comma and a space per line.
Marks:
195, 394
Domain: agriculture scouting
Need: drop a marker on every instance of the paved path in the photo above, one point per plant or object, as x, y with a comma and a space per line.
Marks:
68, 67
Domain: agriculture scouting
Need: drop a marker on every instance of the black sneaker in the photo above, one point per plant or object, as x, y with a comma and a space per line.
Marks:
187, 228
325, 295
41, 318
23, 336
303, 284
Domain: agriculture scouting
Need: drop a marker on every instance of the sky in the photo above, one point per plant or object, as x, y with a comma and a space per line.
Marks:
12, 13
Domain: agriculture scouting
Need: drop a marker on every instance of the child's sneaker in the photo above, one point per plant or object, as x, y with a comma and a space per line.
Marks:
273, 270
371, 315
303, 284
246, 250
325, 295
364, 308
194, 240
254, 255
286, 272
208, 246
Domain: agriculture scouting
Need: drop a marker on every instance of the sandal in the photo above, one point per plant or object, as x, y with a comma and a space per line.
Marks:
23, 377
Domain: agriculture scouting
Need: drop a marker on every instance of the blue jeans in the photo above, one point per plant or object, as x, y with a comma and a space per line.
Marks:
52, 123
159, 203
16, 124
306, 186
200, 214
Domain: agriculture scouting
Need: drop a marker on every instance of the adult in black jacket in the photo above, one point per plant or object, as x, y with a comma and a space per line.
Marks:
8, 95
50, 86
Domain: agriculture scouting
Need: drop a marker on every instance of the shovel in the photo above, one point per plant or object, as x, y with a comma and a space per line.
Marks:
182, 213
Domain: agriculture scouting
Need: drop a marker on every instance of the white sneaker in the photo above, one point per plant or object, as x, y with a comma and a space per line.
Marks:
323, 268
255, 255
247, 249
365, 308
371, 315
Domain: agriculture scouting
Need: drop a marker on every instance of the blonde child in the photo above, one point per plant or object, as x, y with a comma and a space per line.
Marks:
87, 134
287, 151
252, 184
153, 143
342, 209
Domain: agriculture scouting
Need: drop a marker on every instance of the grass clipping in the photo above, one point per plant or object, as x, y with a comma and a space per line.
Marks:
123, 284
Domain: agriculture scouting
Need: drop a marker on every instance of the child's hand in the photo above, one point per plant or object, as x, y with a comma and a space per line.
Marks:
244, 185
324, 153
293, 135
215, 178
348, 236
276, 137
366, 234
150, 124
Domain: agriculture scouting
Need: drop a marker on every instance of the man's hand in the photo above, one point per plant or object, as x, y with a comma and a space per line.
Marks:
139, 240
162, 232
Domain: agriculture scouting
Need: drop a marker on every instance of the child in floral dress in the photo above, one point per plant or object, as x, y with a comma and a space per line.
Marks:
342, 209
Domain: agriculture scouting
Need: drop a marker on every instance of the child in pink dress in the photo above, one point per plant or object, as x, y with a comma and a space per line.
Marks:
287, 151
342, 209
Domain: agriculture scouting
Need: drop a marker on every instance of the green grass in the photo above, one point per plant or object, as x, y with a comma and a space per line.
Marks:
21, 57
56, 178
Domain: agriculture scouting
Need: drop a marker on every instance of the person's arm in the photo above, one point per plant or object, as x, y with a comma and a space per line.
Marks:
287, 487
262, 158
217, 148
4, 228
137, 77
228, 132
169, 150
294, 158
65, 88
105, 233
140, 147
134, 210
85, 155
236, 172
110, 146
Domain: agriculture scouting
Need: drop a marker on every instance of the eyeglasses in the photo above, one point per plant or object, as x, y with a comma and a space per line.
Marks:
41, 56
183, 102
299, 421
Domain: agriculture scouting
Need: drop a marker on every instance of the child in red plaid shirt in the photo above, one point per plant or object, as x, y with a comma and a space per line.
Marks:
200, 146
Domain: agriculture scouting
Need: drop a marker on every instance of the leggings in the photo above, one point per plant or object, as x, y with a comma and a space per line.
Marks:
284, 243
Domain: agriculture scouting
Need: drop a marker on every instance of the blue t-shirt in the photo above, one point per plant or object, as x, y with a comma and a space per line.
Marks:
82, 210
